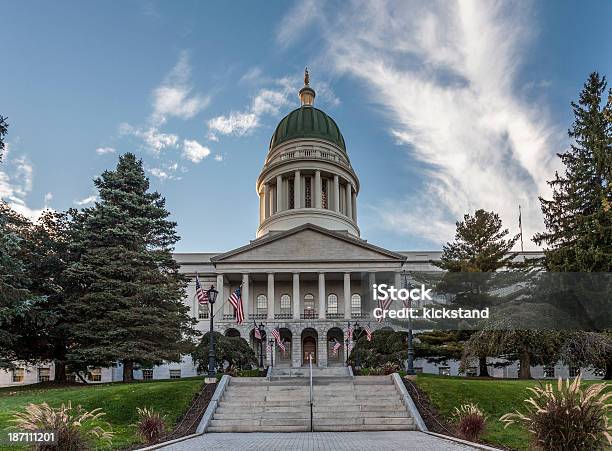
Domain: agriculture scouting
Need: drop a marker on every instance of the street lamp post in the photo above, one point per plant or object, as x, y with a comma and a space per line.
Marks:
271, 352
357, 359
212, 297
410, 364
261, 332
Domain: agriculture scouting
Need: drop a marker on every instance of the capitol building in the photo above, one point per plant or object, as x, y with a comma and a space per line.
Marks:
307, 272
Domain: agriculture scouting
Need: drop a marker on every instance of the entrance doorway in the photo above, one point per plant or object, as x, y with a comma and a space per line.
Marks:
309, 346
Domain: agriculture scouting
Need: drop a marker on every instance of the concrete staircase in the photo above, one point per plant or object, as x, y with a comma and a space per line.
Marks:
341, 403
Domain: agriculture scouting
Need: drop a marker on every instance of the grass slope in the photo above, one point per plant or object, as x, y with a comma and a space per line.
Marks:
117, 400
494, 396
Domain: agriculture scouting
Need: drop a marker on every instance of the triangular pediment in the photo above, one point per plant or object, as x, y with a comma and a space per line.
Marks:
309, 243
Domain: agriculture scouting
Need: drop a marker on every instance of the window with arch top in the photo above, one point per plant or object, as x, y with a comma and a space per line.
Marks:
308, 302
355, 304
262, 302
332, 304
285, 303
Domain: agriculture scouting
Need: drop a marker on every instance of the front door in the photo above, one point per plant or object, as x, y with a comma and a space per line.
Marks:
309, 348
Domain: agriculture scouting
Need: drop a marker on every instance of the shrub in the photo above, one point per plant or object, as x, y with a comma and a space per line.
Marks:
151, 425
568, 418
471, 421
75, 428
230, 351
390, 368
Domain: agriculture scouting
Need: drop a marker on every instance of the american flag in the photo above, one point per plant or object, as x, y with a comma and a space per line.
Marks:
349, 347
408, 301
201, 293
257, 331
384, 305
336, 347
236, 300
368, 331
277, 337
349, 332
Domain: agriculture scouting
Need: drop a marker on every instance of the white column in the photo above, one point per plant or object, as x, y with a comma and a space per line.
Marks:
266, 201
371, 281
279, 194
270, 296
296, 295
347, 295
297, 190
220, 299
354, 203
349, 210
245, 296
336, 193
317, 191
321, 295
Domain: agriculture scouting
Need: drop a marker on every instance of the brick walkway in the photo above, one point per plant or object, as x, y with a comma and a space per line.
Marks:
402, 440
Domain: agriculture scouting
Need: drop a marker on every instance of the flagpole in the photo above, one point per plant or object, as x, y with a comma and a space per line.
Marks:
521, 227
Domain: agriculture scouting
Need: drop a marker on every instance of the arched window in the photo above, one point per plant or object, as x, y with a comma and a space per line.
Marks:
262, 303
285, 303
309, 302
332, 304
355, 304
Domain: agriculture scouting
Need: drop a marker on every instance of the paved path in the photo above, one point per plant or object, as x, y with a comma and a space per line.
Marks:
297, 441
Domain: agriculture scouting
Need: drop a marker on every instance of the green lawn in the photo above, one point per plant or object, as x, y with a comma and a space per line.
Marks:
494, 396
117, 400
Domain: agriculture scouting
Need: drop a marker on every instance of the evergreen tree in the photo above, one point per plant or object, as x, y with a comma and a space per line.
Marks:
480, 246
578, 219
3, 132
127, 304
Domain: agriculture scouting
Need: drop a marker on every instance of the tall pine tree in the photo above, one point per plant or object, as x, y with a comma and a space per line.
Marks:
128, 305
578, 218
480, 246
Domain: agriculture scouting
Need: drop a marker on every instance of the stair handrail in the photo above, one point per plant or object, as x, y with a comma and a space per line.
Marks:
311, 391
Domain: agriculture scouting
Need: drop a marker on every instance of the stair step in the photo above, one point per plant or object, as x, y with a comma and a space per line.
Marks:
255, 423
364, 427
261, 409
261, 415
259, 428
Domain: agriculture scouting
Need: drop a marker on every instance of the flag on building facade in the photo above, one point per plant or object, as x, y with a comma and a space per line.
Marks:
257, 332
336, 347
349, 332
236, 300
384, 305
277, 337
201, 293
368, 332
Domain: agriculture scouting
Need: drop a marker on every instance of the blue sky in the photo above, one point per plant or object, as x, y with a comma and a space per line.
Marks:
445, 107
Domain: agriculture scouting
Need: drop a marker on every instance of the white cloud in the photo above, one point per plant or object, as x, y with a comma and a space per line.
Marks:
153, 139
445, 74
194, 151
304, 14
105, 150
218, 157
238, 124
159, 173
253, 74
15, 188
174, 98
87, 200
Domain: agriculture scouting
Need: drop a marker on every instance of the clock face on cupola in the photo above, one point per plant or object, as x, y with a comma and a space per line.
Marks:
307, 175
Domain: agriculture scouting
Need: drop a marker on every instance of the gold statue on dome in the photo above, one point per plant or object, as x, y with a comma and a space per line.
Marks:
306, 77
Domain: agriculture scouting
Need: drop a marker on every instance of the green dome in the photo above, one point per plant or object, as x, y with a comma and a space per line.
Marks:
307, 122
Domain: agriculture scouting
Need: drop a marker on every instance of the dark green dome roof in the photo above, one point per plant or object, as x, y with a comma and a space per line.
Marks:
307, 122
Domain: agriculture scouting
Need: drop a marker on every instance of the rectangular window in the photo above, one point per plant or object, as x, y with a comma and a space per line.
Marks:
95, 375
291, 194
175, 374
444, 371
18, 375
307, 192
324, 193
549, 371
44, 374
147, 374
203, 311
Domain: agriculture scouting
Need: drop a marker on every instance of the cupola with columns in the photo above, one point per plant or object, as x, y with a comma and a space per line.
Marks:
307, 176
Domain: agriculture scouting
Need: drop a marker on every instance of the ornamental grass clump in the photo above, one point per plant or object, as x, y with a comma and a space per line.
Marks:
151, 425
471, 422
568, 418
75, 429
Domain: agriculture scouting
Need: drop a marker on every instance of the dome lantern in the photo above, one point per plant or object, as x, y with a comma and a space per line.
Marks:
307, 94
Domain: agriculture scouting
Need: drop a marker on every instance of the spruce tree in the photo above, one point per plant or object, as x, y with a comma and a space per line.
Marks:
128, 307
578, 218
480, 245
3, 132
